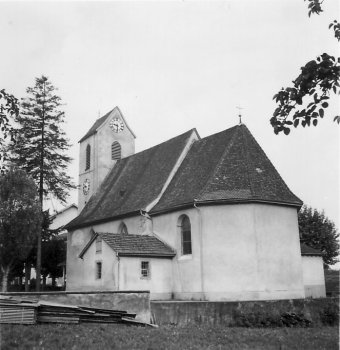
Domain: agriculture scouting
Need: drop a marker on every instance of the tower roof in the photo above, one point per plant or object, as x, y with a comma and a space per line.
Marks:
114, 112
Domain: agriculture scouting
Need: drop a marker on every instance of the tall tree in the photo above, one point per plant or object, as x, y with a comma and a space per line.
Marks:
41, 146
319, 232
305, 101
20, 219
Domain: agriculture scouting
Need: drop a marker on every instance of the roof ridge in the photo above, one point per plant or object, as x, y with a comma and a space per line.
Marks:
269, 161
152, 149
217, 167
190, 140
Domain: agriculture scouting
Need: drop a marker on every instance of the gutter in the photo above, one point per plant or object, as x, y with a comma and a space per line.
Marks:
100, 221
220, 202
147, 255
118, 258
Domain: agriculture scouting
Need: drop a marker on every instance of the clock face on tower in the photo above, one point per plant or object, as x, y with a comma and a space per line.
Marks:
116, 124
86, 187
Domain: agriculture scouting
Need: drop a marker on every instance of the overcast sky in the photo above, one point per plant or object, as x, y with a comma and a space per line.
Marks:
172, 66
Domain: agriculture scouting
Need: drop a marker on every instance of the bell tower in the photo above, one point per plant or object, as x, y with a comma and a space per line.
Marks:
108, 140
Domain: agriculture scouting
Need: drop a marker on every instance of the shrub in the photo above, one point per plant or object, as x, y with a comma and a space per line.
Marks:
330, 315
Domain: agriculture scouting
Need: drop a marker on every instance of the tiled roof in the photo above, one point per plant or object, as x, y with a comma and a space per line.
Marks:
95, 126
307, 250
133, 183
229, 166
137, 245
133, 245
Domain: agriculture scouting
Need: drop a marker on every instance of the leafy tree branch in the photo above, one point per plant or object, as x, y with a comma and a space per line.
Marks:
305, 102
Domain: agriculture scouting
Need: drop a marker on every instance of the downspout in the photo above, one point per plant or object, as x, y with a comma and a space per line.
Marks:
118, 258
201, 247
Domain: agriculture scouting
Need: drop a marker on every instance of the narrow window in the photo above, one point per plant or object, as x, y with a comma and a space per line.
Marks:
88, 157
98, 245
123, 229
98, 270
116, 150
145, 269
186, 235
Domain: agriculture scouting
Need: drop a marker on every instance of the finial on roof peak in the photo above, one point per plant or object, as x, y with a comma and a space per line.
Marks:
239, 114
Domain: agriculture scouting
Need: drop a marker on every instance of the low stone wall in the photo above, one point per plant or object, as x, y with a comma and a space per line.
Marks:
318, 311
132, 301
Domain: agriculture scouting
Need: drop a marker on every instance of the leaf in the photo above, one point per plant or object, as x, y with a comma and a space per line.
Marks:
325, 105
286, 131
277, 111
321, 112
315, 122
296, 122
334, 89
330, 26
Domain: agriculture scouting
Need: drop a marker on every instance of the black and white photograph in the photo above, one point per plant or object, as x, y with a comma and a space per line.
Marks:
169, 174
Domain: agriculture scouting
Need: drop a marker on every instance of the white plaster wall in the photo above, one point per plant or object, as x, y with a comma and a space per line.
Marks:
313, 276
101, 161
76, 241
88, 174
63, 218
105, 138
251, 251
109, 269
159, 283
187, 282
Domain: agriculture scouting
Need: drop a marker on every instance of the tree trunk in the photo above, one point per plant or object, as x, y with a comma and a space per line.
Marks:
41, 194
53, 281
44, 282
5, 273
27, 276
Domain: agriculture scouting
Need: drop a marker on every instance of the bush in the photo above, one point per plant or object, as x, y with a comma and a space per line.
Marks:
330, 315
261, 319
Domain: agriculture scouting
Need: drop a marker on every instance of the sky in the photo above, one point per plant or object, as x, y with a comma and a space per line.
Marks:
172, 66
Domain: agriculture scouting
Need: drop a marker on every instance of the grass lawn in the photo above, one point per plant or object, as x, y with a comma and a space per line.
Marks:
87, 336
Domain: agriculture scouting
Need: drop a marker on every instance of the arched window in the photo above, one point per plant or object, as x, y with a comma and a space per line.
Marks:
186, 235
116, 150
88, 157
123, 229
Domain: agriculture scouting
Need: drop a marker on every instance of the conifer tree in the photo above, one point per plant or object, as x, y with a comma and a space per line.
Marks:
41, 145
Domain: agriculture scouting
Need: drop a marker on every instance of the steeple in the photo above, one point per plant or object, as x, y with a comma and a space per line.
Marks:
106, 142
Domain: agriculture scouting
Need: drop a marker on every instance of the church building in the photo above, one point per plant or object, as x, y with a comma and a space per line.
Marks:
189, 219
